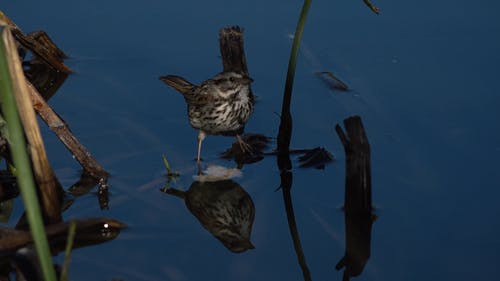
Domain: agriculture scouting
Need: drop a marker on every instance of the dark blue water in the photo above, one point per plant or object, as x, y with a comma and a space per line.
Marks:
423, 76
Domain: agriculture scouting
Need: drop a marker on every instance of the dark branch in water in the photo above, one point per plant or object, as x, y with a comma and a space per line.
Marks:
38, 45
61, 129
48, 186
46, 72
90, 231
43, 76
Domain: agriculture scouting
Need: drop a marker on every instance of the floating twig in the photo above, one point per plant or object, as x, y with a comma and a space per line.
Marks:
371, 6
332, 81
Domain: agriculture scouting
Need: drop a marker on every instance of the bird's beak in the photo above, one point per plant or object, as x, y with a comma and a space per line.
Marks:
248, 79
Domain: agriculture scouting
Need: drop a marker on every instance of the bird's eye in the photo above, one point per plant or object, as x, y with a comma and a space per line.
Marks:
231, 79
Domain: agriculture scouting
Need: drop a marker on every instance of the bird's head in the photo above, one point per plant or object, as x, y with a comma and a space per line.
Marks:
230, 83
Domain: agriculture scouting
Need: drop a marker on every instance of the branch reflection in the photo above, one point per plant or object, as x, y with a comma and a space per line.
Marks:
17, 250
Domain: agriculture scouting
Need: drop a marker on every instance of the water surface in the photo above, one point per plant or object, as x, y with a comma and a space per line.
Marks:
423, 78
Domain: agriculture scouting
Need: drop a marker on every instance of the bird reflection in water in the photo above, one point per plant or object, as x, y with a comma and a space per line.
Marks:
223, 208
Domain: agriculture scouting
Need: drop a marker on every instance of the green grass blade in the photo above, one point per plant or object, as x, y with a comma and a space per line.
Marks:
67, 252
292, 62
167, 165
285, 129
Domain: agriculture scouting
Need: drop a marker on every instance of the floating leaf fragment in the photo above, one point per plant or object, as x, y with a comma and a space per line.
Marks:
170, 174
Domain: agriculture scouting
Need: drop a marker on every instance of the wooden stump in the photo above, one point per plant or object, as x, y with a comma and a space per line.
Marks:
358, 197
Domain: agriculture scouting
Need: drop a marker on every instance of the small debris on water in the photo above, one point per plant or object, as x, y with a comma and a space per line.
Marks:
218, 173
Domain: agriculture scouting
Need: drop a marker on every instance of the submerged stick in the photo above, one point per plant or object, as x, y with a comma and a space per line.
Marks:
61, 129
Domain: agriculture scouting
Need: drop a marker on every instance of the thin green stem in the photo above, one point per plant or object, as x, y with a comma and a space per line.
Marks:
285, 130
22, 164
292, 62
67, 252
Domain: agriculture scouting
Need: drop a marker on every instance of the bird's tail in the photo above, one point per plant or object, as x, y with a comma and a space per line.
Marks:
178, 83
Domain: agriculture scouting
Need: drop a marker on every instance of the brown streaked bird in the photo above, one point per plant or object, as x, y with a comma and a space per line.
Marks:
223, 208
221, 105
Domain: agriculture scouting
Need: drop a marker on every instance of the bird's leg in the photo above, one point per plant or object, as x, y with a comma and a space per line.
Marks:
201, 136
245, 147
198, 166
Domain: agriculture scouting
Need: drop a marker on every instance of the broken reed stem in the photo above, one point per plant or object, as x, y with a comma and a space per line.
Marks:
50, 189
8, 51
51, 58
61, 129
40, 51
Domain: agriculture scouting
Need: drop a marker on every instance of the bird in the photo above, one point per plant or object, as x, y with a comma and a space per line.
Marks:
223, 208
220, 105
